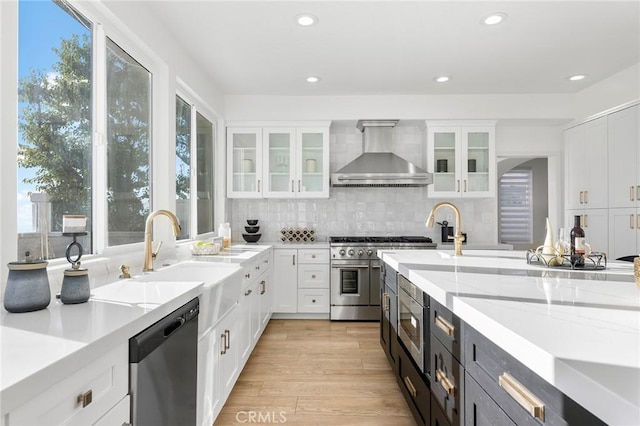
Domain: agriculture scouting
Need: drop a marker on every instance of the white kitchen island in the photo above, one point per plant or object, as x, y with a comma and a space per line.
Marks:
578, 330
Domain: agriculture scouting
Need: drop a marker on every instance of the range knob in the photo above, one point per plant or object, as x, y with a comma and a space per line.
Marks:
369, 252
351, 252
342, 252
360, 253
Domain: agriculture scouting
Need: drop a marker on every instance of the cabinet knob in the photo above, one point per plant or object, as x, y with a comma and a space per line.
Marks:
85, 398
313, 256
313, 300
313, 276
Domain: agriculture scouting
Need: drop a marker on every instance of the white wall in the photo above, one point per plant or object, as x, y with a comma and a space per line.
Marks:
8, 135
419, 107
616, 90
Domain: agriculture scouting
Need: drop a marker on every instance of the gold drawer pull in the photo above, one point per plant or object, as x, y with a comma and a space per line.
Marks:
631, 193
581, 197
445, 382
522, 395
445, 326
85, 398
631, 221
410, 387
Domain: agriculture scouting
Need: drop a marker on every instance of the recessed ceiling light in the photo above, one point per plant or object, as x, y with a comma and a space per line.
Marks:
306, 19
442, 79
577, 77
313, 79
494, 18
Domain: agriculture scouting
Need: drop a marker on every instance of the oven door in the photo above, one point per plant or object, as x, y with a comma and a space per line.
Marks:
410, 326
350, 282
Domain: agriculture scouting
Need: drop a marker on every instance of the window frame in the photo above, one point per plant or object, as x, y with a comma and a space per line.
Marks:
198, 106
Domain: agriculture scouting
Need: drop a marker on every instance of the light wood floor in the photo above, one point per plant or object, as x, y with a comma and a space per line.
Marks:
308, 373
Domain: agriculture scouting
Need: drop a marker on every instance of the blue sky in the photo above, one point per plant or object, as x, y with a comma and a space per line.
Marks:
41, 26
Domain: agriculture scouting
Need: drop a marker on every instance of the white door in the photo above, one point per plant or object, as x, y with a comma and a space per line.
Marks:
623, 232
285, 280
624, 152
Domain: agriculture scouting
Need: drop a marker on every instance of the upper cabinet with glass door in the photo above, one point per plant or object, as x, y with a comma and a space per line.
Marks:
294, 160
462, 159
244, 162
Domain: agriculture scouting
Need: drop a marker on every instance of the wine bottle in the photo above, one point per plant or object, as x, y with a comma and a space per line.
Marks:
577, 243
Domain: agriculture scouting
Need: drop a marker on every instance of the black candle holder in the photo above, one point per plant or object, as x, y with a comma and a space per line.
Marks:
75, 284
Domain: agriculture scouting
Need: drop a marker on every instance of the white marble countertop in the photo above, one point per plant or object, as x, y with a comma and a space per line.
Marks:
578, 330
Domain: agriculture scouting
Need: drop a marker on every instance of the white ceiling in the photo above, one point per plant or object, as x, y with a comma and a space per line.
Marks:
398, 47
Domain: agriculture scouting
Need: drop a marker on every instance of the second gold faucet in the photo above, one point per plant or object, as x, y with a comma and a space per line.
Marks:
458, 238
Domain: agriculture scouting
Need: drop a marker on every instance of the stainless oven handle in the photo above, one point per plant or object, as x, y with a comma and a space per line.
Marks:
350, 266
375, 266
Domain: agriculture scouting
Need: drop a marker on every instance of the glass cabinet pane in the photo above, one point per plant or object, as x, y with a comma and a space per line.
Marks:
279, 151
244, 147
444, 177
312, 150
478, 161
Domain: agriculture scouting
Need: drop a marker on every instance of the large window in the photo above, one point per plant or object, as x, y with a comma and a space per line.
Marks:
86, 127
204, 169
128, 142
55, 125
194, 142
183, 165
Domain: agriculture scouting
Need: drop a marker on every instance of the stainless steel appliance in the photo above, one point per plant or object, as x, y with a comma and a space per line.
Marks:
163, 369
413, 321
355, 273
378, 166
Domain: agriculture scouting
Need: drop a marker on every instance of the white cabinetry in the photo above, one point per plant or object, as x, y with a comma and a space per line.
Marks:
462, 159
624, 158
278, 161
224, 350
301, 279
285, 273
624, 232
586, 165
296, 162
624, 182
594, 222
244, 162
84, 397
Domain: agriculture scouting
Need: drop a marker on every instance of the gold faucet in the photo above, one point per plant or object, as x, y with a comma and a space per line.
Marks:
149, 255
458, 238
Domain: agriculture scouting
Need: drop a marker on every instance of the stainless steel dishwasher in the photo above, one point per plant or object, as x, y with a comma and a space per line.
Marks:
163, 363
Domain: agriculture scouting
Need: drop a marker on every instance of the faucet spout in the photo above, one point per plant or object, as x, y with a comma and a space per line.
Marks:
458, 238
148, 249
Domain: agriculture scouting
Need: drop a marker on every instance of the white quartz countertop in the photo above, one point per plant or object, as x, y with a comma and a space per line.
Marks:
38, 349
578, 330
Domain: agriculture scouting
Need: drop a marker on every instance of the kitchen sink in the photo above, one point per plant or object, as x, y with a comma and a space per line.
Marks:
222, 282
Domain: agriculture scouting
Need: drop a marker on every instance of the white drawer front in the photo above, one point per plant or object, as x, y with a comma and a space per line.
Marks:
106, 378
313, 256
313, 276
118, 415
314, 300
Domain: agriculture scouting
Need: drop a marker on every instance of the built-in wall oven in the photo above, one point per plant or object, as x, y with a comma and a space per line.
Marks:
355, 274
413, 322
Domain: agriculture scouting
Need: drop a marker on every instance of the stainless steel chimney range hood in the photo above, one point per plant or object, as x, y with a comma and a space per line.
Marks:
378, 166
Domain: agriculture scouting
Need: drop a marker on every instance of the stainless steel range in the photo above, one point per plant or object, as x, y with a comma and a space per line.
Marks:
355, 273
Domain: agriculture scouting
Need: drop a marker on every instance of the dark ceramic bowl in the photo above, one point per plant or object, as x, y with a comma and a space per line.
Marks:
251, 229
251, 238
252, 222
